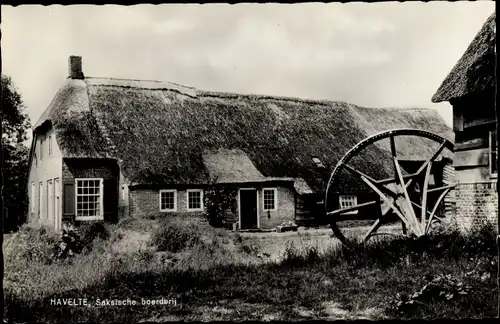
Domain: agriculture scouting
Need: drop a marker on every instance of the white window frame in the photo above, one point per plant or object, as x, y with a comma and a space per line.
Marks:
50, 145
33, 197
490, 140
40, 199
175, 200
187, 200
352, 212
41, 147
101, 200
275, 190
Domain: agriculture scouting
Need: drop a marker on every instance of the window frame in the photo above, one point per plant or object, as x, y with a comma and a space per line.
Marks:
40, 198
175, 200
101, 200
275, 202
352, 212
50, 145
41, 147
33, 197
492, 134
201, 200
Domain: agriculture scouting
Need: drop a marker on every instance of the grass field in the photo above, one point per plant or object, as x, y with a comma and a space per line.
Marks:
213, 274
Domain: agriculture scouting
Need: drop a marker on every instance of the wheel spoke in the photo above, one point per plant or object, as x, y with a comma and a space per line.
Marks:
442, 188
431, 159
373, 181
395, 159
348, 209
372, 229
441, 197
413, 217
384, 198
423, 211
391, 180
393, 146
420, 207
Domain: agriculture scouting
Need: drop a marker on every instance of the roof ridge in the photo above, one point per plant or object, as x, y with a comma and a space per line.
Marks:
140, 80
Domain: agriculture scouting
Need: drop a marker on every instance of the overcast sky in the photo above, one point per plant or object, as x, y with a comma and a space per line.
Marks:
374, 55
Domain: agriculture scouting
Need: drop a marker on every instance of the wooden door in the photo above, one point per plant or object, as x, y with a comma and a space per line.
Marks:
248, 209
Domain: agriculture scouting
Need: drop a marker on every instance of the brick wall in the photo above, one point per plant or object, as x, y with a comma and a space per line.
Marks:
285, 210
144, 202
472, 203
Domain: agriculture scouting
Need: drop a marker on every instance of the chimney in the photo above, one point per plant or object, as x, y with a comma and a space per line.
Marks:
75, 67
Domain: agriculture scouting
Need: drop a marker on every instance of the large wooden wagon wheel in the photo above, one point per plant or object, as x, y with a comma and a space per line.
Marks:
395, 193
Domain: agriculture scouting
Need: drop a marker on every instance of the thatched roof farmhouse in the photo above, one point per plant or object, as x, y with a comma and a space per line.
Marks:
470, 88
158, 144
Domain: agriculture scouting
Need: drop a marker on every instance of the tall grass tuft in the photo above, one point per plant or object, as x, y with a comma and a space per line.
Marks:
175, 235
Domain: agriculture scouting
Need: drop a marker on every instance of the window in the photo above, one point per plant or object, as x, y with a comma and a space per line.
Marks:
348, 201
41, 148
50, 145
33, 197
269, 198
89, 199
493, 154
194, 199
40, 199
168, 200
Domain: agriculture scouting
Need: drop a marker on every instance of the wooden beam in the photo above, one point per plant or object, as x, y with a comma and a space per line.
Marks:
472, 158
373, 228
420, 207
384, 198
441, 197
423, 211
391, 180
373, 181
345, 210
407, 206
442, 188
393, 146
429, 160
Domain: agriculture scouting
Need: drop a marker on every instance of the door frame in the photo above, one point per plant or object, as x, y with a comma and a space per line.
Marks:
239, 206
58, 204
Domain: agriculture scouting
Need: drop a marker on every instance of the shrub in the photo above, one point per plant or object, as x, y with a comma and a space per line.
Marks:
176, 235
77, 240
219, 204
33, 243
294, 257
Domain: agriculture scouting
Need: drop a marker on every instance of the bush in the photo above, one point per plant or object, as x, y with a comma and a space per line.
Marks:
77, 240
220, 205
176, 235
33, 243
294, 257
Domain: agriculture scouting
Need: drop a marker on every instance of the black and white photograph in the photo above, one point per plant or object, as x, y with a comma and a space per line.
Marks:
249, 162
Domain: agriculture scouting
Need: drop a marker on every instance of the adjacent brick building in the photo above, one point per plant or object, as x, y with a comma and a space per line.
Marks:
470, 88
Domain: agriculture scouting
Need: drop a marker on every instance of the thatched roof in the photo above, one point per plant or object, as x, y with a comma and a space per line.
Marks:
164, 133
475, 71
230, 166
